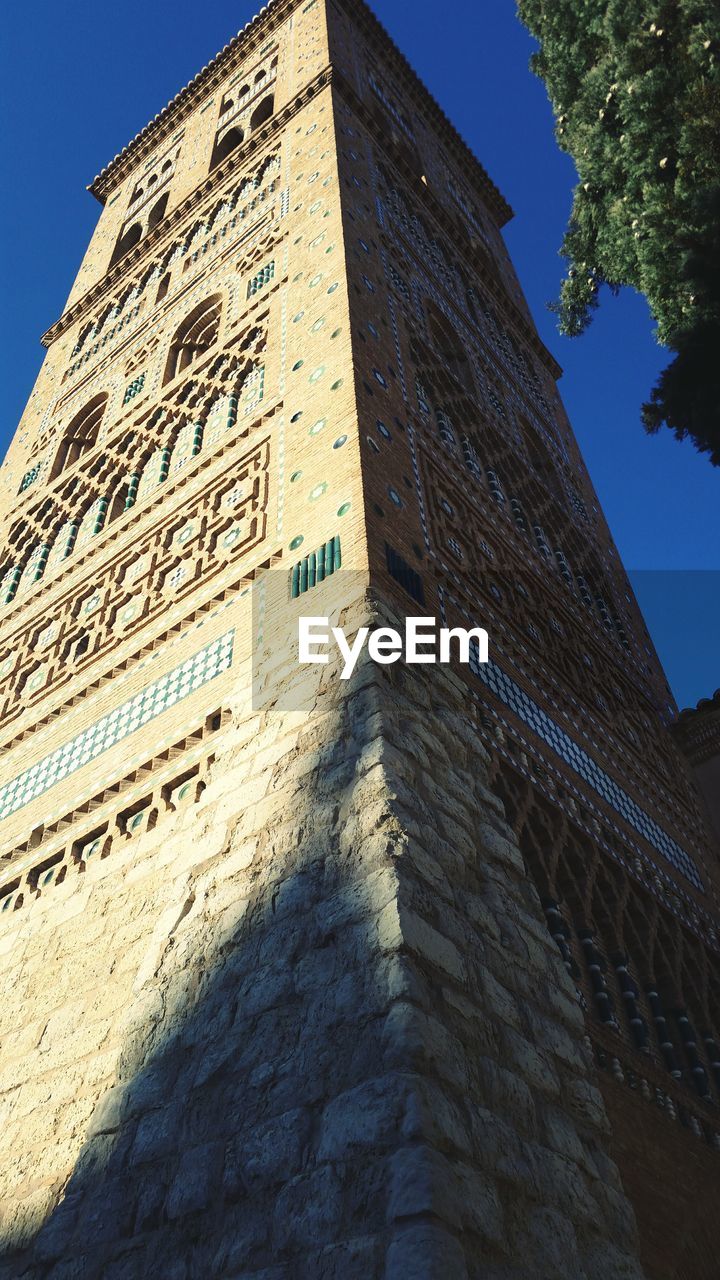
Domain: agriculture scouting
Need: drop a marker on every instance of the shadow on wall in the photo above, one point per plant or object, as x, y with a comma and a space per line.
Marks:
224, 1145
360, 1056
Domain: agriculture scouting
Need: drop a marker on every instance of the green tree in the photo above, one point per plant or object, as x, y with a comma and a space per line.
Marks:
635, 86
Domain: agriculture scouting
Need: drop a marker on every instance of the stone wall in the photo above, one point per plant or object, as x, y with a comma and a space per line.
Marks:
312, 1027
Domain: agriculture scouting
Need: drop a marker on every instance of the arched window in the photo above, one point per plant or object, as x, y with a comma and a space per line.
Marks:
225, 144
196, 334
465, 293
157, 213
81, 435
91, 523
407, 151
262, 112
126, 241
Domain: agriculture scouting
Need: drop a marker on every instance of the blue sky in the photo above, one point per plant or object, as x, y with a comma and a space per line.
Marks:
78, 80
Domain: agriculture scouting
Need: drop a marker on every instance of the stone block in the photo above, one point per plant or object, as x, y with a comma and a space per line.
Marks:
367, 1117
269, 1153
416, 1040
537, 1069
482, 1210
152, 1189
389, 929
269, 988
561, 1133
22, 1219
505, 1093
425, 1252
197, 1181
549, 1238
432, 1115
355, 1259
603, 1258
423, 1182
431, 946
307, 1212
108, 1112
158, 1133
554, 1040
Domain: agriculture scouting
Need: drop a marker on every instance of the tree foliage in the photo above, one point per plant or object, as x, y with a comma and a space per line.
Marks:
635, 86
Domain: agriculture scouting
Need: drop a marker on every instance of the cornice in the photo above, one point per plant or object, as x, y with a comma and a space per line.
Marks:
184, 102
706, 707
697, 730
175, 112
364, 17
270, 17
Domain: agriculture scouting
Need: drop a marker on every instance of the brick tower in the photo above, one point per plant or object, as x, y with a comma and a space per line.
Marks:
405, 977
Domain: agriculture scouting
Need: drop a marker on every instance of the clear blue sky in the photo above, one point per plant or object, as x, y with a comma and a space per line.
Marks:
78, 80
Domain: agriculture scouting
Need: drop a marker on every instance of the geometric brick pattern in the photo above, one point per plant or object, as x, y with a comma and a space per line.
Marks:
580, 762
118, 724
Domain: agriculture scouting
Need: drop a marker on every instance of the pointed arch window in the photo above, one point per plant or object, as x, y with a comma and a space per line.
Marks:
221, 417
262, 112
196, 335
81, 435
225, 144
31, 476
253, 389
157, 213
127, 240
541, 460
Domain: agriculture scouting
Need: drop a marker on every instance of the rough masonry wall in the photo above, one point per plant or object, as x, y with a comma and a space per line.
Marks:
314, 1027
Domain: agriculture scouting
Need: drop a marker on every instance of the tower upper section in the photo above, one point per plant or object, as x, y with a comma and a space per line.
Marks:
260, 73
224, 116
297, 315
